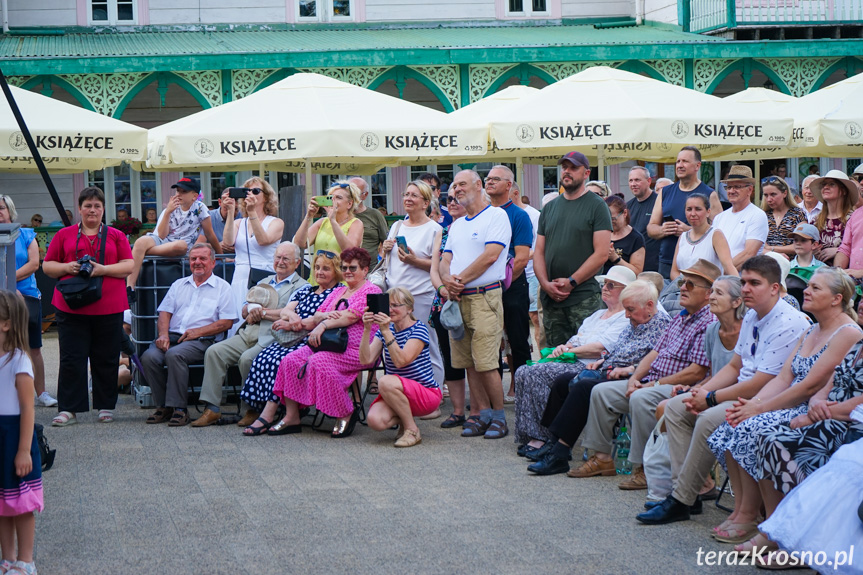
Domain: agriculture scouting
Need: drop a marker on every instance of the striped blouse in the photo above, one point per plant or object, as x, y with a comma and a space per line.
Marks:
420, 369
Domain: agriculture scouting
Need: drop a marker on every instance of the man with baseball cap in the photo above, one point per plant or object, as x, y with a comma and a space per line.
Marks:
572, 242
806, 238
679, 358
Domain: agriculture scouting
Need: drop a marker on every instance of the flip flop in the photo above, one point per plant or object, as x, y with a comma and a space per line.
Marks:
256, 431
737, 532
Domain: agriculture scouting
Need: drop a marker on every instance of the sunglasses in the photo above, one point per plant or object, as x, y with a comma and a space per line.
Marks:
754, 343
857, 177
451, 200
37, 221
255, 191
343, 186
681, 281
326, 254
774, 181
611, 285
353, 268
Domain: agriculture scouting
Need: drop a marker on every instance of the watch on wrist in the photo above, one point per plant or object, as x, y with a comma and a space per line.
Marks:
572, 283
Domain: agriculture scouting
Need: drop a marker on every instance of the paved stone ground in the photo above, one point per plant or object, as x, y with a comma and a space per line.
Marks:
134, 498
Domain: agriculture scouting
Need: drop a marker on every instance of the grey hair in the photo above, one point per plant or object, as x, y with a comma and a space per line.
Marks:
507, 170
297, 251
808, 180
735, 291
473, 176
663, 181
10, 207
640, 292
204, 246
643, 169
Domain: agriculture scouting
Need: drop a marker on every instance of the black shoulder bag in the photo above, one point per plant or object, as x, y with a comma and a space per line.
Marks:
79, 291
334, 339
255, 274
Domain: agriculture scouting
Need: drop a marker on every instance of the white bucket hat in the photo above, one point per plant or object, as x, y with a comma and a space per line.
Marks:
620, 274
784, 265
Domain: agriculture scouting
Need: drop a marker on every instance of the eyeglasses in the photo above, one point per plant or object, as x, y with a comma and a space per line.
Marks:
451, 200
397, 304
737, 187
326, 254
255, 191
857, 177
611, 285
754, 343
613, 217
351, 269
494, 180
681, 281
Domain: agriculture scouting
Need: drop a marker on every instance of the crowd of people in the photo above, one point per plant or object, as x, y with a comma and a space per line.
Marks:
663, 307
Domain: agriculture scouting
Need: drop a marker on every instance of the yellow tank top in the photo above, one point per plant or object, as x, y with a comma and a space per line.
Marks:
326, 240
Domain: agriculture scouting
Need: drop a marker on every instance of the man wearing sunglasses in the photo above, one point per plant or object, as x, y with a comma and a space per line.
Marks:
678, 359
768, 335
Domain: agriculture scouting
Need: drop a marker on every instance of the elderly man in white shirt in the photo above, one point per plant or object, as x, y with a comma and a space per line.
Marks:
745, 224
195, 313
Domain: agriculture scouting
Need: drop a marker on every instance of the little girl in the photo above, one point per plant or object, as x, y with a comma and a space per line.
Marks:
22, 466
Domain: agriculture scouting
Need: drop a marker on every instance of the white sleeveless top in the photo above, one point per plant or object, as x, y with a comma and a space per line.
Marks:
688, 253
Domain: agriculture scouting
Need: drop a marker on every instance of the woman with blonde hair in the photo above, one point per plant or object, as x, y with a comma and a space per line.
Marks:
410, 262
340, 230
409, 388
783, 215
254, 237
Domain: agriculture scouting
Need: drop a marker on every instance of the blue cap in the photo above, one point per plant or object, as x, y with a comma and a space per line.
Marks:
807, 231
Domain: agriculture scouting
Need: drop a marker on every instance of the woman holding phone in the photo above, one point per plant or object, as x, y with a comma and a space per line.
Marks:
411, 243
340, 230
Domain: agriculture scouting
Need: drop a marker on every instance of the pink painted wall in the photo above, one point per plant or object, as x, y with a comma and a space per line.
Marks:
168, 180
399, 182
531, 186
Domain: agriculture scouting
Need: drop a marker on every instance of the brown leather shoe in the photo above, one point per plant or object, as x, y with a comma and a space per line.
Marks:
209, 417
635, 482
248, 419
593, 467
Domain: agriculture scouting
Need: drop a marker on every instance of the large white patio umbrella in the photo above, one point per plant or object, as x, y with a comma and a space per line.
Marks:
69, 138
310, 117
829, 121
618, 115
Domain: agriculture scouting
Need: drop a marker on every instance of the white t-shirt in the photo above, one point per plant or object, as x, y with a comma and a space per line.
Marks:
778, 332
750, 223
595, 329
533, 214
467, 240
19, 363
186, 225
420, 240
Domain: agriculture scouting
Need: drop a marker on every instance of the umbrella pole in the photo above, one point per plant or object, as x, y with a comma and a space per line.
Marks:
519, 174
600, 152
757, 198
37, 157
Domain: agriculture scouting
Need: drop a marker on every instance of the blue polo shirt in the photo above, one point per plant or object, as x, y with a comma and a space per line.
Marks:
522, 229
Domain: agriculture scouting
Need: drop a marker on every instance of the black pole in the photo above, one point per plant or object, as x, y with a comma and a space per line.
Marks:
37, 157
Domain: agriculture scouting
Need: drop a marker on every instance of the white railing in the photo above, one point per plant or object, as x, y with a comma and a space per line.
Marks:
706, 15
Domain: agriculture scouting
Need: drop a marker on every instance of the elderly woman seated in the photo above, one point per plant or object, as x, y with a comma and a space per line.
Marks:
321, 378
594, 338
291, 331
752, 443
566, 412
408, 389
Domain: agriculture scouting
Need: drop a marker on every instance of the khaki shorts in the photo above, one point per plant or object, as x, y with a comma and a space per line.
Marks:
482, 315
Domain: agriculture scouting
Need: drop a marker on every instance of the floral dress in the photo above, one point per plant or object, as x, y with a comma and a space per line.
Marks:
788, 456
533, 382
742, 441
322, 378
258, 389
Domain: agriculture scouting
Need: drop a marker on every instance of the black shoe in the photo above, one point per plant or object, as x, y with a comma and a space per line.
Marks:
538, 454
695, 509
668, 511
522, 449
549, 465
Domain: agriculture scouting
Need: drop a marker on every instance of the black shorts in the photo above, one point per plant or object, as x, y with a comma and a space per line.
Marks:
34, 326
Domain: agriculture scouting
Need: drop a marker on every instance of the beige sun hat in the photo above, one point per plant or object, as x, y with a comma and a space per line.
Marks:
840, 176
264, 295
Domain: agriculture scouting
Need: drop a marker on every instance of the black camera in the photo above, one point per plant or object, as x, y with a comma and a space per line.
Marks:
86, 268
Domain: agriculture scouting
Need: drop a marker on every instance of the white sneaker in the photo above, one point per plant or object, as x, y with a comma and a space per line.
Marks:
45, 400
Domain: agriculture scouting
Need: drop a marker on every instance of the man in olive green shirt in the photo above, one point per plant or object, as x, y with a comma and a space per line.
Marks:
375, 228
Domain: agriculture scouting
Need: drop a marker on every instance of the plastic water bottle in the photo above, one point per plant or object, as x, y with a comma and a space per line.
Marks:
621, 460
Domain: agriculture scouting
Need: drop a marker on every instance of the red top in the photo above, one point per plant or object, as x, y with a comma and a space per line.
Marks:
62, 249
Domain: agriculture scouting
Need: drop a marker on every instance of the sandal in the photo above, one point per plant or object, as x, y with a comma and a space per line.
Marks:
161, 415
373, 387
106, 416
453, 421
409, 439
252, 431
760, 542
474, 427
63, 419
497, 429
721, 527
179, 419
737, 533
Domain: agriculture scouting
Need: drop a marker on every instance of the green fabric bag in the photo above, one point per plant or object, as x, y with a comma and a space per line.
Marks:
568, 357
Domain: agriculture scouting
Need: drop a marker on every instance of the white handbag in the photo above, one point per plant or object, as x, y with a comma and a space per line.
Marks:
657, 464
